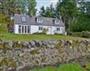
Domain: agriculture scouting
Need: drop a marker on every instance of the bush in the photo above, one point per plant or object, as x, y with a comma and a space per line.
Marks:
84, 34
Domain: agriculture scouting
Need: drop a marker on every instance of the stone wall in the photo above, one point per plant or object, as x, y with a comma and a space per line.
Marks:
22, 56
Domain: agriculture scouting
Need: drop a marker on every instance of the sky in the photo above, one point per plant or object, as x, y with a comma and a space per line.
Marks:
45, 3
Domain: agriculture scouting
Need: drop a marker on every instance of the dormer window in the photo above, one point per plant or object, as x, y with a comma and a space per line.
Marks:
35, 19
23, 19
39, 20
56, 21
53, 21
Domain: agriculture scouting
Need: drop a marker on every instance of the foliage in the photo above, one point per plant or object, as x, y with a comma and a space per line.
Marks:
84, 34
10, 7
87, 6
81, 24
4, 20
48, 12
68, 10
31, 7
63, 67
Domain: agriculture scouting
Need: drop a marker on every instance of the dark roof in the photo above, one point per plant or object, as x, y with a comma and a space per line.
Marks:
31, 20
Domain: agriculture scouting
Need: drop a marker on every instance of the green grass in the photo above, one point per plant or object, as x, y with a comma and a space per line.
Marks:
15, 37
45, 69
64, 67
70, 67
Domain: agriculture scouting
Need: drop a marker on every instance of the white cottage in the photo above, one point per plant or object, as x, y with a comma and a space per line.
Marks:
24, 24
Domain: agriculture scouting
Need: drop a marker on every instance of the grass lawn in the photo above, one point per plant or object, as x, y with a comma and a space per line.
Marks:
16, 37
64, 67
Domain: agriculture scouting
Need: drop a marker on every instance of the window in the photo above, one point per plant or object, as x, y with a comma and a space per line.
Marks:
23, 19
40, 28
22, 29
53, 21
35, 19
25, 29
19, 28
28, 29
58, 29
56, 21
39, 21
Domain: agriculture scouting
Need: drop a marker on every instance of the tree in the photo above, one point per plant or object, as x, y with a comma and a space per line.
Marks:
82, 23
67, 9
81, 4
42, 12
87, 6
48, 12
31, 7
10, 7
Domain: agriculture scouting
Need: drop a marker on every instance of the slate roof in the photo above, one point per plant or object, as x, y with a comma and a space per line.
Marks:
31, 20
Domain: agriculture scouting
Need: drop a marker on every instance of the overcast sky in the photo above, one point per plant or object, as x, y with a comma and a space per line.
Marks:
45, 3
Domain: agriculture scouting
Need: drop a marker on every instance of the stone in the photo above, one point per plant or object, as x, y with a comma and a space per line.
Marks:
45, 52
32, 43
11, 69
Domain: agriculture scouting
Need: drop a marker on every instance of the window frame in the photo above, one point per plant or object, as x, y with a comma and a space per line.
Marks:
40, 28
58, 29
19, 29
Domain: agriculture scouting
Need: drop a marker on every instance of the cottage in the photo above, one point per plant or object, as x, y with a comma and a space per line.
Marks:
24, 24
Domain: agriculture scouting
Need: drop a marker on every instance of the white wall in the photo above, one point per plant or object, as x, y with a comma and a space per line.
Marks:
16, 29
51, 29
62, 30
34, 29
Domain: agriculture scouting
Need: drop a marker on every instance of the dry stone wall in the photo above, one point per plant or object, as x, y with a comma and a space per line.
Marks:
22, 56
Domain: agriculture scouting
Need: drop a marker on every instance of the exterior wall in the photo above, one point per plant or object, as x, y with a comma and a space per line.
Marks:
25, 31
16, 29
51, 29
34, 29
62, 30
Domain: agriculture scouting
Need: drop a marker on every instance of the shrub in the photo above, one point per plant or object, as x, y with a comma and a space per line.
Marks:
84, 34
